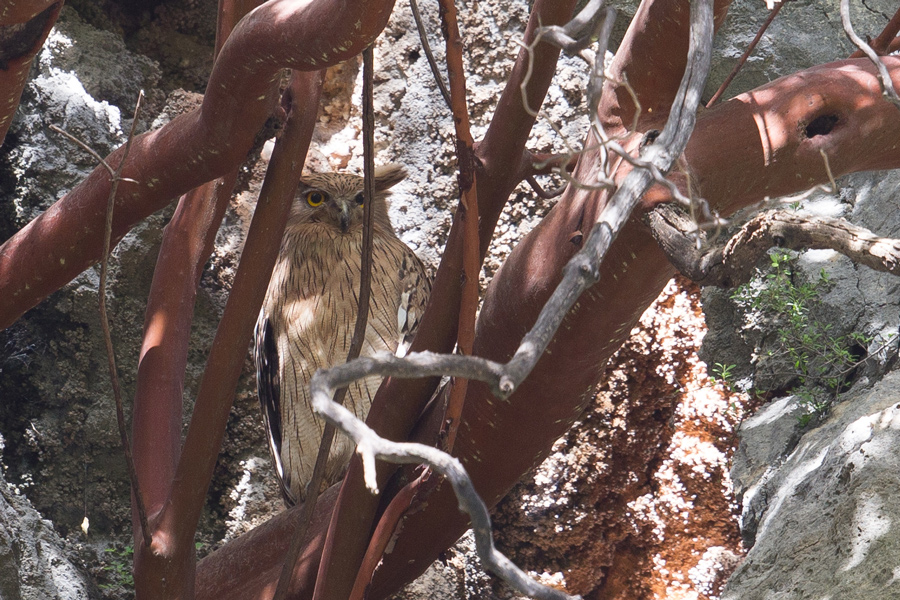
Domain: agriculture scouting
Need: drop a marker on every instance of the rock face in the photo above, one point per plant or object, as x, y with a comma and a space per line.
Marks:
821, 518
813, 509
34, 561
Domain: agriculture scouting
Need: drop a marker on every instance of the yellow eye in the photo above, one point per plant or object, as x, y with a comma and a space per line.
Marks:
315, 198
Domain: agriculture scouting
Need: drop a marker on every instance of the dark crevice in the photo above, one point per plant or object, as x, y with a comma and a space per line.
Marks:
858, 354
822, 125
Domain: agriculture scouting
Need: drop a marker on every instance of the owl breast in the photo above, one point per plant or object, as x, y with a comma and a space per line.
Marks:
311, 307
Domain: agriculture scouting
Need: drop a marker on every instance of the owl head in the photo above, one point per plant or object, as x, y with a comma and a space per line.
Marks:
336, 199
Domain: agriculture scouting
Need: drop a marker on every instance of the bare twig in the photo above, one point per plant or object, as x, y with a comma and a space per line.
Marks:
579, 274
594, 21
423, 36
750, 47
884, 78
371, 446
601, 21
116, 177
541, 192
580, 32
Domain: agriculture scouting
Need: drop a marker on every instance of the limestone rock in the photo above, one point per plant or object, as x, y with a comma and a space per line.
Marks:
822, 515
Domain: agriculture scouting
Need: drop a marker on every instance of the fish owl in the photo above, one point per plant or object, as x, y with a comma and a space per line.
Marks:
309, 313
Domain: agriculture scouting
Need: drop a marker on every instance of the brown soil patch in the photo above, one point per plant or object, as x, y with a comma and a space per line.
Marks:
636, 501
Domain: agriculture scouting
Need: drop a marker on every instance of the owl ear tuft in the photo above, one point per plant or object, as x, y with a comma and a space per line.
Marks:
388, 176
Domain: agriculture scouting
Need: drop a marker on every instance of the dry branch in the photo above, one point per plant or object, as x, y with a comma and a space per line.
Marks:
370, 446
399, 402
733, 261
115, 175
429, 55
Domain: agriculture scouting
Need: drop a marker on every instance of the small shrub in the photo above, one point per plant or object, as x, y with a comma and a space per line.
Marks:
118, 569
818, 361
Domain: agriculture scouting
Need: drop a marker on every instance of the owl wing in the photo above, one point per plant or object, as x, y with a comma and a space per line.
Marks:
415, 289
269, 390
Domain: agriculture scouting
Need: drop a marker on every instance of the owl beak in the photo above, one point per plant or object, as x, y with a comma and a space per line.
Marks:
344, 217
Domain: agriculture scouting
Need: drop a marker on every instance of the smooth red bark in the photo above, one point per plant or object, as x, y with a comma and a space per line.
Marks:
175, 525
187, 243
13, 12
156, 417
760, 144
756, 144
15, 75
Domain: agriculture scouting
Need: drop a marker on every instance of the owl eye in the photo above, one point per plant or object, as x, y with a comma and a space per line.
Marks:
360, 198
315, 198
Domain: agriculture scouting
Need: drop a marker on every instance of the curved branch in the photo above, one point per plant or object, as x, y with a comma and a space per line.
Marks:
777, 131
229, 348
747, 52
191, 149
884, 78
14, 12
651, 57
187, 243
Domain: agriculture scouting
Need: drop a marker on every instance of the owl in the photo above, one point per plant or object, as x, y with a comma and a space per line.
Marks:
309, 313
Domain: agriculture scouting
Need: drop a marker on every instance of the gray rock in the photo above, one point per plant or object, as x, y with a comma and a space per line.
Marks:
56, 399
805, 33
823, 517
34, 561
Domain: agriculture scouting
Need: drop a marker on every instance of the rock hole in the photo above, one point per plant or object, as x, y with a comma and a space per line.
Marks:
821, 125
858, 354
413, 56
